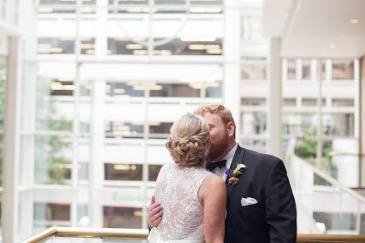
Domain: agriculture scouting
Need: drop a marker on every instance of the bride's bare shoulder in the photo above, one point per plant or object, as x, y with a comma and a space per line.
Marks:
214, 180
212, 184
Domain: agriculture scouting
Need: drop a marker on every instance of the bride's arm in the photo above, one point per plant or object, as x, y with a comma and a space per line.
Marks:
212, 195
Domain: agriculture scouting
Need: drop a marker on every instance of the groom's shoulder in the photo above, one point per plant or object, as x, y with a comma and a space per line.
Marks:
265, 159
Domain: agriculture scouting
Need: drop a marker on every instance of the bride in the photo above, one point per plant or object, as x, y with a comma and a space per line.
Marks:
193, 199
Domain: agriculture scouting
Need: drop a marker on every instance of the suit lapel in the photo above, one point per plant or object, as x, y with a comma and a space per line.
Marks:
238, 157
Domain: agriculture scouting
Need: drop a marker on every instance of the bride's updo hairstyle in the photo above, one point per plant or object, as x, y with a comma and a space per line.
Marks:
188, 140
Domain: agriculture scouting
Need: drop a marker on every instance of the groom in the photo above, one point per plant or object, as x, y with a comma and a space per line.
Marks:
260, 202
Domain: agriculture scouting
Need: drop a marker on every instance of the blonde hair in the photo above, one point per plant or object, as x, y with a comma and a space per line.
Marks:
189, 137
224, 113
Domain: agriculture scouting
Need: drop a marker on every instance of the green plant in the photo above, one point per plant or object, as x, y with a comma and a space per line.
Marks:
307, 149
51, 163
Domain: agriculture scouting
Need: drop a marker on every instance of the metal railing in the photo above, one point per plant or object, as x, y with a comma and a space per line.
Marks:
140, 234
315, 190
74, 232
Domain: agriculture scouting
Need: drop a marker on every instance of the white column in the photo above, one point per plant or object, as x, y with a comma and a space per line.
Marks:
10, 5
27, 120
316, 77
11, 144
97, 153
76, 118
275, 99
361, 111
232, 55
101, 42
145, 171
97, 120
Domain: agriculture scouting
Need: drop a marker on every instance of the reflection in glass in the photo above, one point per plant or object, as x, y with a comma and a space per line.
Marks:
52, 160
343, 102
121, 46
85, 88
181, 47
61, 87
49, 214
53, 45
120, 129
252, 28
312, 102
49, 117
123, 89
141, 7
87, 46
253, 101
136, 89
338, 124
153, 171
342, 70
83, 171
254, 123
65, 7
299, 124
52, 113
306, 148
337, 221
254, 71
306, 69
123, 172
291, 71
160, 129
323, 69
122, 217
289, 101
175, 90
82, 215
214, 90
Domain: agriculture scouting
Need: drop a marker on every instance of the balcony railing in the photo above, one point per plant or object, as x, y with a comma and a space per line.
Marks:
140, 234
324, 204
74, 232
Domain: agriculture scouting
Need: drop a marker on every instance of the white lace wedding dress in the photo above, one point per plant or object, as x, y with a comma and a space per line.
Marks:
177, 192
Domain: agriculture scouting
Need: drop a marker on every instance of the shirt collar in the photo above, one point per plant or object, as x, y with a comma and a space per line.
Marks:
229, 156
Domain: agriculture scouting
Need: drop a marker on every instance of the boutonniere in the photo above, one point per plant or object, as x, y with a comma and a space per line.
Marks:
232, 176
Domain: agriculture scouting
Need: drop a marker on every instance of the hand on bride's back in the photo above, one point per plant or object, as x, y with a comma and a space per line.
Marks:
155, 212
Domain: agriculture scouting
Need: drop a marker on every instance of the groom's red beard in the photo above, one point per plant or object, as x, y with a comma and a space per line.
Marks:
217, 149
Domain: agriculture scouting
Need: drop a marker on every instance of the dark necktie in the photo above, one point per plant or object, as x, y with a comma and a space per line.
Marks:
212, 165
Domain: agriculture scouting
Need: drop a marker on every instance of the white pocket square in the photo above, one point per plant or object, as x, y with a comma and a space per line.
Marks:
248, 201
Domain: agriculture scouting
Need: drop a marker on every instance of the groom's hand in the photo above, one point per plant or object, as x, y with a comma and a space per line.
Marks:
155, 212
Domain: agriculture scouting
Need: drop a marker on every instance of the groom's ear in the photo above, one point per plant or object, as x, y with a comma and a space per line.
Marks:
231, 128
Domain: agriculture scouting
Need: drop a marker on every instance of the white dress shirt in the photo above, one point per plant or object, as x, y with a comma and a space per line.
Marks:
221, 172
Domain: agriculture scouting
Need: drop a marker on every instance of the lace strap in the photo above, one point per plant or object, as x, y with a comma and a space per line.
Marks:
199, 183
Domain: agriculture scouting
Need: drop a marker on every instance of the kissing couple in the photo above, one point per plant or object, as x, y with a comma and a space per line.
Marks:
216, 191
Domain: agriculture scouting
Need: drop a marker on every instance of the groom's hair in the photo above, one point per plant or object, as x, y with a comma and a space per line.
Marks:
218, 109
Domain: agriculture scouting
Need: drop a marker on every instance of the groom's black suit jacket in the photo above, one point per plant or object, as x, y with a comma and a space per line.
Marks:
273, 218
